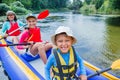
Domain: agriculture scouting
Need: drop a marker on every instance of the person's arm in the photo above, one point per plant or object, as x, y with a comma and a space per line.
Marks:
20, 24
48, 66
5, 27
24, 35
82, 73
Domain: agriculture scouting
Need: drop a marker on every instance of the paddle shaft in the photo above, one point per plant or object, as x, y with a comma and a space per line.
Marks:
99, 72
6, 45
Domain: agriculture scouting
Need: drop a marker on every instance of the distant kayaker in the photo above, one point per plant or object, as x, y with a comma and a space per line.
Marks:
33, 35
64, 61
11, 24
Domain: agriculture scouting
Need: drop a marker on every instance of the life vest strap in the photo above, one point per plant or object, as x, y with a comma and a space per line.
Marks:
65, 74
58, 64
68, 66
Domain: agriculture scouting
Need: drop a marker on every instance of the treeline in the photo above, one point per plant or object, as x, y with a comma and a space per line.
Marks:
21, 6
86, 7
101, 6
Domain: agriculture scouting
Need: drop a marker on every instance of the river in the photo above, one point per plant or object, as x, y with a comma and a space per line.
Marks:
97, 41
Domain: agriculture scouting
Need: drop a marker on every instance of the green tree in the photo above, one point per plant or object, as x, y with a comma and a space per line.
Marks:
98, 3
36, 4
3, 8
8, 1
27, 3
88, 2
77, 4
116, 4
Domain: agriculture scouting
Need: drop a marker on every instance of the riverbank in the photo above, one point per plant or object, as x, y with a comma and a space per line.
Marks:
105, 15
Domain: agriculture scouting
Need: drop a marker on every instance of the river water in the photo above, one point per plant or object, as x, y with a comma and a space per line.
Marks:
97, 41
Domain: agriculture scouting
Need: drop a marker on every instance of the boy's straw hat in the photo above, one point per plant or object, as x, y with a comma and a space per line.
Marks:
30, 16
62, 29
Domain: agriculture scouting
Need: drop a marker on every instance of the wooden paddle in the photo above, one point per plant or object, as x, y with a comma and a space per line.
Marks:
115, 65
41, 15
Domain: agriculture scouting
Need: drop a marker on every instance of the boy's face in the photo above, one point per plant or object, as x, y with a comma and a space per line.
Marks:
63, 42
31, 22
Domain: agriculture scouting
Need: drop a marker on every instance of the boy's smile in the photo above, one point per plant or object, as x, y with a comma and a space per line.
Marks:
63, 42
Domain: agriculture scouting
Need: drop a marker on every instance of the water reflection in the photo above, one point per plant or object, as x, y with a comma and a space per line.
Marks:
114, 21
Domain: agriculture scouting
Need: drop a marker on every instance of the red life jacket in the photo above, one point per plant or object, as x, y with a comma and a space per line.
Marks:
35, 35
13, 27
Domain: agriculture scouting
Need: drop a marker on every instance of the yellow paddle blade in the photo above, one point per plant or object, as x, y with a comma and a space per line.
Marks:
116, 64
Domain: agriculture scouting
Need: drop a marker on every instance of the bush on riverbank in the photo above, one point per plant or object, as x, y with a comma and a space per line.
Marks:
3, 8
87, 9
17, 7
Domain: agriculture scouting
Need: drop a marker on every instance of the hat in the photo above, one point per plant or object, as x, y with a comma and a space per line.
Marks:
62, 29
10, 12
30, 16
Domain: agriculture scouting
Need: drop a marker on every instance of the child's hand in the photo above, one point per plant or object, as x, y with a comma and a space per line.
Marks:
6, 35
31, 43
83, 77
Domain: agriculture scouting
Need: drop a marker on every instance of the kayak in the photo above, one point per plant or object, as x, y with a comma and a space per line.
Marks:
25, 67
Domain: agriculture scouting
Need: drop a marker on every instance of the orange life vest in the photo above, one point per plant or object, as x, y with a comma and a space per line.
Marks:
34, 34
13, 27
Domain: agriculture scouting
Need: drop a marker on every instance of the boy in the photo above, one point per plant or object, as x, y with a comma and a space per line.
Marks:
64, 60
32, 35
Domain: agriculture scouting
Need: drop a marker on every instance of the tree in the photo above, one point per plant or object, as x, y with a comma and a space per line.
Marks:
116, 4
77, 4
8, 1
98, 3
27, 3
88, 2
35, 4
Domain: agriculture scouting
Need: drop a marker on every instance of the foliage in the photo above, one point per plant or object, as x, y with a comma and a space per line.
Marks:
98, 3
17, 3
88, 9
56, 4
8, 1
36, 4
116, 4
27, 3
3, 8
88, 2
103, 6
76, 5
18, 7
19, 10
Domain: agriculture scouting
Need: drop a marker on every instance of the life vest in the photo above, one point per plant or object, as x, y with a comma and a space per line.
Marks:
13, 27
63, 71
34, 34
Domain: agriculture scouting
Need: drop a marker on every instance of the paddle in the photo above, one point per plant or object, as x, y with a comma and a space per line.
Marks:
6, 45
41, 15
115, 65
